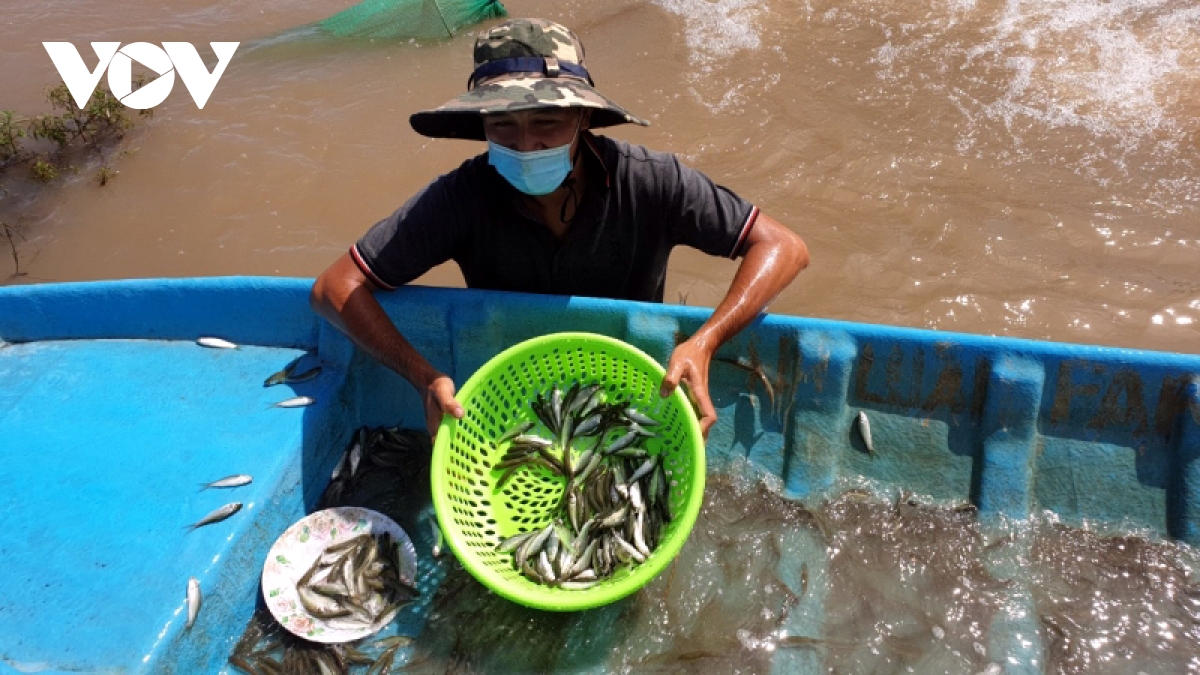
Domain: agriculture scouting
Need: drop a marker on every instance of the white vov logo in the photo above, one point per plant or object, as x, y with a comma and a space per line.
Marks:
179, 56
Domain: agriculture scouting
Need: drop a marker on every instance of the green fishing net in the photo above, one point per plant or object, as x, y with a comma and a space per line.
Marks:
410, 18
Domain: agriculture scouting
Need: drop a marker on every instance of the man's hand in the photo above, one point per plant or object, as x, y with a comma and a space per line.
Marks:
773, 257
439, 400
689, 363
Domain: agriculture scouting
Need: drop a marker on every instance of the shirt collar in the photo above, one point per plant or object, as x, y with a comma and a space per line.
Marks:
590, 140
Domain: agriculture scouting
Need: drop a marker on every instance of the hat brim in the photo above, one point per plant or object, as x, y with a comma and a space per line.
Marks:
463, 116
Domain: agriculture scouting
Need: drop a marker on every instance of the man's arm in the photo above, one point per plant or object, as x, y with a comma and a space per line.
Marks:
345, 297
774, 255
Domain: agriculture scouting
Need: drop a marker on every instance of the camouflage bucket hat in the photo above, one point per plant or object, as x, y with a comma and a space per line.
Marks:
522, 64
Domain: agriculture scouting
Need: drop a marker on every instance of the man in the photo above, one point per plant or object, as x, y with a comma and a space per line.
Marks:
552, 208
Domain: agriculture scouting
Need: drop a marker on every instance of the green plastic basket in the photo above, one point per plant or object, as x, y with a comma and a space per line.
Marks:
474, 516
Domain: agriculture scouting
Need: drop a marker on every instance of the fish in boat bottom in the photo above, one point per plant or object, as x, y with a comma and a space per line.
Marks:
381, 456
266, 648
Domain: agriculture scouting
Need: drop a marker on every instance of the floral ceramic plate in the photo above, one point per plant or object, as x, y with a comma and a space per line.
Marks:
300, 546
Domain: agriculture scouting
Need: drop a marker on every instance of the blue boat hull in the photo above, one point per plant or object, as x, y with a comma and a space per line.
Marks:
110, 415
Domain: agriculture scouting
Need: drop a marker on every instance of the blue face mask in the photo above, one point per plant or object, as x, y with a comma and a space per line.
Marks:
535, 173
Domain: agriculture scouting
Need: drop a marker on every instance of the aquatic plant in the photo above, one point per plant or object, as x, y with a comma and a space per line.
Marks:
50, 143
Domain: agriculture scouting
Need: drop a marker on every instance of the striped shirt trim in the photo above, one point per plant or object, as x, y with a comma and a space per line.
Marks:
366, 269
749, 225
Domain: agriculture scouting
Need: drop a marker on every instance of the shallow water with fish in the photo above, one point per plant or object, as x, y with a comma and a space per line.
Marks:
869, 579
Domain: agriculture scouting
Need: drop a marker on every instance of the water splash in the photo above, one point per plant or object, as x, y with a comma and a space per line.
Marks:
717, 30
1107, 90
1105, 66
717, 33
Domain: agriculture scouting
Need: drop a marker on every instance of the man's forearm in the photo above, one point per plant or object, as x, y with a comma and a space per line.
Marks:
769, 265
353, 310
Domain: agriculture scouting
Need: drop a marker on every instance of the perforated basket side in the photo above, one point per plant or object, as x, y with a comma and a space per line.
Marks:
476, 516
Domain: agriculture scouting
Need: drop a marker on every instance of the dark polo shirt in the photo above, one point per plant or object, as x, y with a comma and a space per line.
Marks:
638, 206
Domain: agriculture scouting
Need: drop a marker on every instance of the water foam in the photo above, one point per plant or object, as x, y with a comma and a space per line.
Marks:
1110, 67
1104, 66
717, 32
1105, 89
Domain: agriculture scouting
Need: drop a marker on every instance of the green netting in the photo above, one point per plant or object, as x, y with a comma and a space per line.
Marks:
410, 18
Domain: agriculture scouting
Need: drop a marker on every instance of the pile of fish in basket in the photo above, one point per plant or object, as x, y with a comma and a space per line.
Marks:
616, 499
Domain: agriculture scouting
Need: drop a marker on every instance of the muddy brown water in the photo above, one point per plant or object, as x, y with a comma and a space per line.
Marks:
1001, 167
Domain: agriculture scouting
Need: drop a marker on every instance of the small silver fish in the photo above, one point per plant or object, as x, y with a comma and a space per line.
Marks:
641, 431
629, 548
514, 432
282, 376
556, 401
356, 454
639, 538
303, 377
229, 482
193, 600
622, 442
297, 402
218, 515
633, 415
635, 496
511, 544
394, 641
595, 396
864, 428
215, 343
544, 568
587, 426
646, 467
533, 442
615, 518
437, 540
341, 466
584, 559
